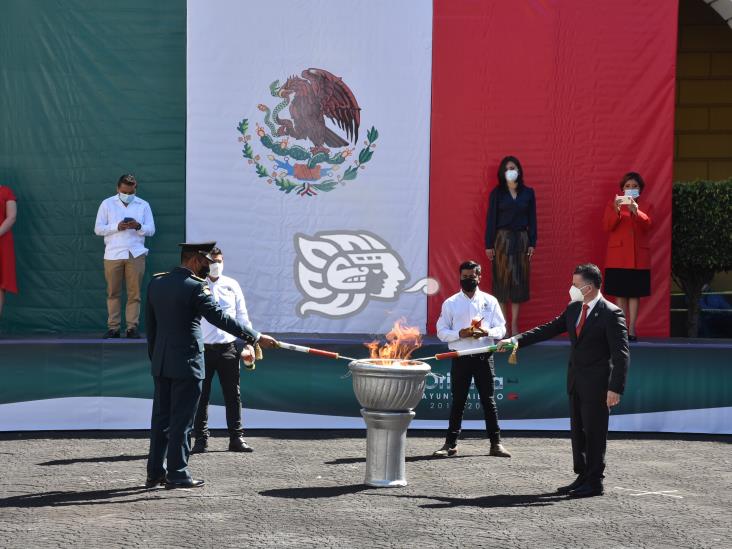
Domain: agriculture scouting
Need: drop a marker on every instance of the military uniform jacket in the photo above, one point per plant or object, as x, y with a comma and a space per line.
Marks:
176, 301
600, 357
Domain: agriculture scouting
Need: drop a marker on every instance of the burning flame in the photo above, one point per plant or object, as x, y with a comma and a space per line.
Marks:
402, 341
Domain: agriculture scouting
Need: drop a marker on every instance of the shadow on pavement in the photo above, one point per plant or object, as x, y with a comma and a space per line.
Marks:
497, 500
89, 497
71, 461
315, 492
409, 459
442, 502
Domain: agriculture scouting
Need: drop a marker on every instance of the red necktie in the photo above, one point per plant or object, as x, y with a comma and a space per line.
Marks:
582, 318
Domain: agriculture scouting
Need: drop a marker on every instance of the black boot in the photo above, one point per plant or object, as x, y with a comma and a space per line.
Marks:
200, 446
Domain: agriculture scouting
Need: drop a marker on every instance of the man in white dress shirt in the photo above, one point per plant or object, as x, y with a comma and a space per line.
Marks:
124, 220
469, 319
222, 357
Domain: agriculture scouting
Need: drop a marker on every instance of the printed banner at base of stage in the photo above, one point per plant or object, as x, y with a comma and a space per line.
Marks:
288, 388
307, 157
115, 413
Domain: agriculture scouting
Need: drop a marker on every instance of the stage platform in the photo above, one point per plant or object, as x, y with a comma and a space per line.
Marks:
83, 382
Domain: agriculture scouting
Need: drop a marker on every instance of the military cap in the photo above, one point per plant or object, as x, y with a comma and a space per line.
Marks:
203, 248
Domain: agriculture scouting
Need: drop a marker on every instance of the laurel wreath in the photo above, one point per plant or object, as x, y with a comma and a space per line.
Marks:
305, 188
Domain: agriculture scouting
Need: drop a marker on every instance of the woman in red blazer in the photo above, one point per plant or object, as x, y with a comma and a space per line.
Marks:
628, 262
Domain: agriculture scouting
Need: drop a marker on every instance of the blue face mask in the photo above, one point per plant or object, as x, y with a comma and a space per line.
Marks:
126, 198
633, 193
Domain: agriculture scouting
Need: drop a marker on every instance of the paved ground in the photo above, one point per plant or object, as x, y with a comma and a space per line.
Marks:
302, 489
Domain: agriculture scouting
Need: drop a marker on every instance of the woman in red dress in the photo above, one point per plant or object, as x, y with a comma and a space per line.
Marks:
8, 211
628, 263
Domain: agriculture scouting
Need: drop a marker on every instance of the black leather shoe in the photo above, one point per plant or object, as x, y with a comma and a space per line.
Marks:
111, 334
587, 491
200, 446
132, 333
154, 482
238, 444
446, 450
579, 481
187, 483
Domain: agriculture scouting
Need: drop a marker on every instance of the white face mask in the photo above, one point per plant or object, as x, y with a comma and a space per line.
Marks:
575, 293
634, 193
215, 270
126, 198
511, 175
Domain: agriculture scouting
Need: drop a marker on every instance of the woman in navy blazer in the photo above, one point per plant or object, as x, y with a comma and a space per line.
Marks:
510, 237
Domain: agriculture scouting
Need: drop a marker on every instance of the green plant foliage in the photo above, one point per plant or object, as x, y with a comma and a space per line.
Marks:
701, 238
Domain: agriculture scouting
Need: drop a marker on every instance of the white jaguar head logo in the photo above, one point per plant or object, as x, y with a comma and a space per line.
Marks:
338, 272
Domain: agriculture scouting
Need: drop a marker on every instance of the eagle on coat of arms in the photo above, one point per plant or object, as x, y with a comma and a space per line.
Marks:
317, 95
308, 155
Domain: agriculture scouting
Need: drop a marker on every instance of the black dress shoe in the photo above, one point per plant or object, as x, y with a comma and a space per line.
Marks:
153, 482
587, 491
579, 481
187, 483
200, 446
238, 444
132, 333
111, 334
446, 450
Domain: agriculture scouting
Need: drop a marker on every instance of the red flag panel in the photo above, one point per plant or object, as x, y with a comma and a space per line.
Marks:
581, 92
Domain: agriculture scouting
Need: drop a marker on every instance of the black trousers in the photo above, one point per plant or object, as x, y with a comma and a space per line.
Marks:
224, 360
589, 416
174, 406
464, 370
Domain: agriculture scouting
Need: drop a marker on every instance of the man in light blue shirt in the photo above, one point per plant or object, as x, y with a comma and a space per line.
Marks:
124, 220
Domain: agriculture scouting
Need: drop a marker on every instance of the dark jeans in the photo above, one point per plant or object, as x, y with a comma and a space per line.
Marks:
224, 360
174, 405
589, 417
465, 369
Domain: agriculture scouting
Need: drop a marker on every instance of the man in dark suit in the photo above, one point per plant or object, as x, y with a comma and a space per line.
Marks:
598, 365
176, 301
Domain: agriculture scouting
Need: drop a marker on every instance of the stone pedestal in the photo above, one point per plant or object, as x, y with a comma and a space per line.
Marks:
388, 391
385, 444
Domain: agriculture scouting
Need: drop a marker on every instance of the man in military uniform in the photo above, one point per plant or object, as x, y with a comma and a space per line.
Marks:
176, 301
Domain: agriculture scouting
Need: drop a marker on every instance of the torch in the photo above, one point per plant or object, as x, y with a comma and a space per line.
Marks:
477, 351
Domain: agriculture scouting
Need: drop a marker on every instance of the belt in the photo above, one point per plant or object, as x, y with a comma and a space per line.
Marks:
216, 346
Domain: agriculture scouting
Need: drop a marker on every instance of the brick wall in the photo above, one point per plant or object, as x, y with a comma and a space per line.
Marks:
703, 94
703, 140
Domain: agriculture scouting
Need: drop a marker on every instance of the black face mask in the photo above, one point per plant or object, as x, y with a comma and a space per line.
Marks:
468, 284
